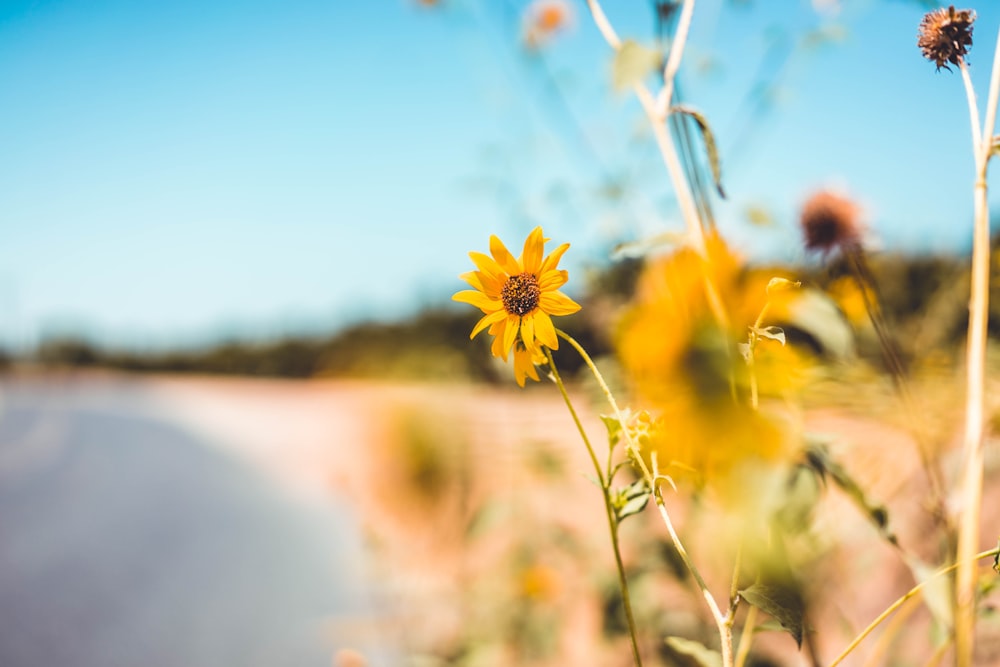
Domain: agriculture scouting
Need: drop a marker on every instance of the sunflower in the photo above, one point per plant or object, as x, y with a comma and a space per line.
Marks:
519, 297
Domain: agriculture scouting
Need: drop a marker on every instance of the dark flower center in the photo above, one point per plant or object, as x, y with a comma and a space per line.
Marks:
520, 294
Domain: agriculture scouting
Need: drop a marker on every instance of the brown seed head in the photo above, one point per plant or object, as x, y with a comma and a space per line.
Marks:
830, 221
521, 293
945, 35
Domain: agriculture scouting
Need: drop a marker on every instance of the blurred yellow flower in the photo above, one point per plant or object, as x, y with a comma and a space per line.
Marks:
518, 297
687, 367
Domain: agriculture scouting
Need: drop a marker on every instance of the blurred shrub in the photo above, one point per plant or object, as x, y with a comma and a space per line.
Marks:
923, 297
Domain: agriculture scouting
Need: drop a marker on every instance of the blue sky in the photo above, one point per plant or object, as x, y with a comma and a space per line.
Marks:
178, 172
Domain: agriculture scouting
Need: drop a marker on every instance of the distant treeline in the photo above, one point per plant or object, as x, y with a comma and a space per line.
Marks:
924, 299
433, 344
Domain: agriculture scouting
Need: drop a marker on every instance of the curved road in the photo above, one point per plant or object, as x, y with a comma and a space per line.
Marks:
126, 541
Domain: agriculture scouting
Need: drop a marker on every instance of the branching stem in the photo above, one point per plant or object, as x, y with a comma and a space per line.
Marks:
605, 482
722, 621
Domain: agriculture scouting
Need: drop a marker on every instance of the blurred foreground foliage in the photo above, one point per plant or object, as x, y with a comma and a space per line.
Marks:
922, 296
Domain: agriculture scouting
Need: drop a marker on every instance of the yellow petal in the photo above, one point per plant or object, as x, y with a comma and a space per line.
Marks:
557, 303
552, 261
528, 331
496, 349
478, 299
552, 280
487, 265
524, 366
531, 257
473, 278
487, 320
510, 333
503, 256
492, 285
545, 332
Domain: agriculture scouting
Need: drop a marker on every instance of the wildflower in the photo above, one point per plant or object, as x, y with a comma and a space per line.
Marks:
945, 35
543, 19
518, 297
830, 221
685, 369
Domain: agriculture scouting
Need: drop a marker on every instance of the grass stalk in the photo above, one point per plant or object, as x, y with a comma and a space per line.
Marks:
916, 590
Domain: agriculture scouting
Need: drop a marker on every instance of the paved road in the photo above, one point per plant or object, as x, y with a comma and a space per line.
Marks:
125, 541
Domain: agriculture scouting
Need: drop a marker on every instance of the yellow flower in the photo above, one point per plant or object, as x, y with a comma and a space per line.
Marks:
686, 368
518, 298
525, 361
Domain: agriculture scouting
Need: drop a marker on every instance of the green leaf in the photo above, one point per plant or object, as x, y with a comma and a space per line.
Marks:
771, 333
633, 506
696, 652
632, 499
759, 216
769, 625
782, 603
711, 150
801, 495
614, 429
634, 249
632, 63
820, 460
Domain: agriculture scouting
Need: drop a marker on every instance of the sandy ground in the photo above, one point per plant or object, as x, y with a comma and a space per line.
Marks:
319, 438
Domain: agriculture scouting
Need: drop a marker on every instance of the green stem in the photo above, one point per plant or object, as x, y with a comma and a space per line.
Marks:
754, 402
902, 600
746, 638
608, 508
721, 620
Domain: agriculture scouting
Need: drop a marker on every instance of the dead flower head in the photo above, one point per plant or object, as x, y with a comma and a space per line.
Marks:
945, 35
830, 221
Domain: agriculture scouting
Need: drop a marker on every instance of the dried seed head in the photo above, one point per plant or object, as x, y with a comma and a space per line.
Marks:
830, 221
945, 35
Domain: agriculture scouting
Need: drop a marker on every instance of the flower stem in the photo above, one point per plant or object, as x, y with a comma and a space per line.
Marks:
902, 600
722, 621
972, 471
657, 110
746, 638
609, 509
754, 401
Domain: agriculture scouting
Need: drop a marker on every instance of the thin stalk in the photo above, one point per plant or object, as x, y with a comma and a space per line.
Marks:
674, 58
608, 509
902, 600
863, 278
721, 620
746, 638
750, 358
970, 96
891, 633
734, 587
938, 654
972, 472
668, 151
